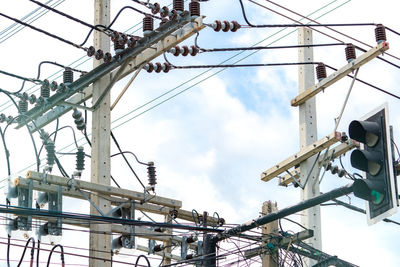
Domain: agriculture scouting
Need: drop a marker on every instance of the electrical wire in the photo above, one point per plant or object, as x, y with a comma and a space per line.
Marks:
296, 25
126, 160
61, 255
142, 256
43, 31
32, 251
243, 65
35, 81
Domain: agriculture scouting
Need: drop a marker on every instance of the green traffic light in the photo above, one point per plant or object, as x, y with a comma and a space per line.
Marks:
377, 197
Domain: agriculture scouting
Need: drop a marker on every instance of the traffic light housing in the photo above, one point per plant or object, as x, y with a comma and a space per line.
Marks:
375, 159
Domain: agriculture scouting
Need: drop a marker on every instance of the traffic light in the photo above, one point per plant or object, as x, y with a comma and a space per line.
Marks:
374, 158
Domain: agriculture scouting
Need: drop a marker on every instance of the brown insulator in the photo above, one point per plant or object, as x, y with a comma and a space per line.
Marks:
45, 91
191, 239
53, 86
227, 26
194, 50
328, 166
166, 67
132, 42
163, 21
218, 25
341, 173
335, 169
185, 50
90, 52
119, 45
173, 15
114, 36
236, 26
179, 5
350, 52
107, 57
99, 54
194, 8
189, 256
380, 33
177, 51
158, 67
158, 248
23, 106
148, 24
321, 71
150, 67
164, 11
221, 221
155, 8
68, 76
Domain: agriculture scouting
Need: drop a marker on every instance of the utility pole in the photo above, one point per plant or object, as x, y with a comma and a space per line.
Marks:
100, 244
311, 218
268, 230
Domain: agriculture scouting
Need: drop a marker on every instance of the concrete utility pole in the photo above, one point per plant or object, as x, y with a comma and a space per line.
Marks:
100, 161
270, 229
311, 218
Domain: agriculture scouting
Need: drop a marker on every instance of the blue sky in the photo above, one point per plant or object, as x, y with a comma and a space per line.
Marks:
211, 143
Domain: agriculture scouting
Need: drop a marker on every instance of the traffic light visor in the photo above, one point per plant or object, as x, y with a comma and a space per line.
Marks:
368, 161
366, 132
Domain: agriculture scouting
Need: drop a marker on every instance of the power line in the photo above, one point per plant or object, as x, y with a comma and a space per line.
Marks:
43, 31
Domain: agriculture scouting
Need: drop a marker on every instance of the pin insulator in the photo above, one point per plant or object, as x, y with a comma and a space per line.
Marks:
173, 213
114, 36
350, 52
119, 46
164, 11
179, 5
176, 50
40, 101
25, 96
380, 33
185, 51
155, 8
149, 67
193, 50
158, 67
194, 8
53, 86
151, 173
173, 15
189, 256
45, 91
3, 117
163, 21
205, 218
23, 106
158, 248
32, 99
51, 154
166, 67
80, 159
78, 119
321, 71
148, 24
132, 42
221, 221
217, 26
328, 166
68, 76
46, 82
335, 169
91, 51
99, 54
107, 57
236, 26
61, 88
226, 26
191, 239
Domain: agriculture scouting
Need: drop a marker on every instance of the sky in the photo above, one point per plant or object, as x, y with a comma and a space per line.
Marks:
212, 132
